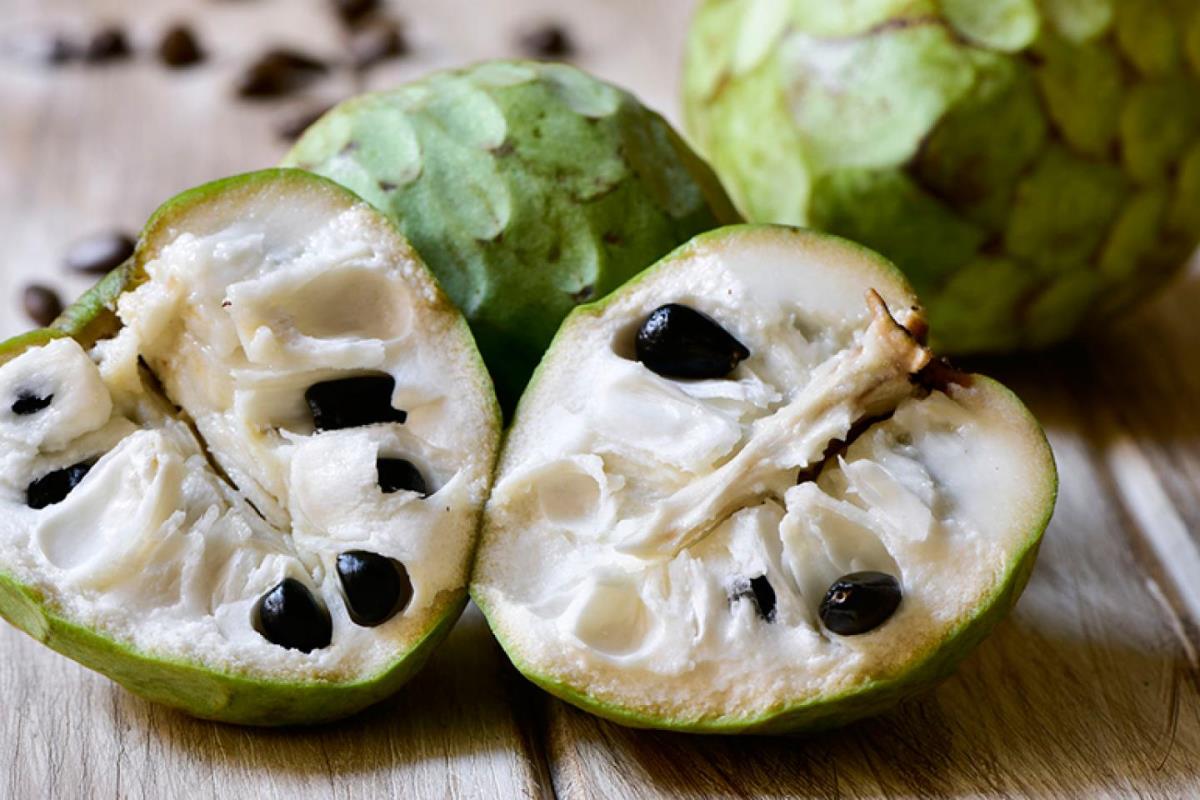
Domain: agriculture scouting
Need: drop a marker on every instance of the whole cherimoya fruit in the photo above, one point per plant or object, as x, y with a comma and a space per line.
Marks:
527, 188
243, 475
740, 495
1032, 165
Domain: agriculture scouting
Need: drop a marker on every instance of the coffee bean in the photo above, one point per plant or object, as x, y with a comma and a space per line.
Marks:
180, 48
377, 42
100, 253
547, 41
351, 11
279, 72
42, 304
292, 128
107, 44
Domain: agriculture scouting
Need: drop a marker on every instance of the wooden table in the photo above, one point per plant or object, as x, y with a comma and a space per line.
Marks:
1088, 690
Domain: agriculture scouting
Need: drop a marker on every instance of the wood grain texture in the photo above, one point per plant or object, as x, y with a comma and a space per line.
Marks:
1089, 690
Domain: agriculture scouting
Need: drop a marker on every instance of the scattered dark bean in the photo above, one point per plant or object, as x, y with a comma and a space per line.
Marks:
398, 473
100, 253
279, 72
377, 42
547, 41
290, 616
44, 48
42, 304
180, 48
30, 403
677, 341
860, 602
54, 487
353, 402
351, 11
107, 44
377, 588
292, 128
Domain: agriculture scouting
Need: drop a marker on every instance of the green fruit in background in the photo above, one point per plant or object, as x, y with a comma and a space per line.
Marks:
679, 540
527, 188
243, 475
1032, 165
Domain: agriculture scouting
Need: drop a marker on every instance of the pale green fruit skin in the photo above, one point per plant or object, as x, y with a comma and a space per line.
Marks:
1032, 165
190, 687
876, 696
527, 188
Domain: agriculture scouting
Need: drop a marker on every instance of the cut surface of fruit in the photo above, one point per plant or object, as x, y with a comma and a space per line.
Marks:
794, 543
180, 501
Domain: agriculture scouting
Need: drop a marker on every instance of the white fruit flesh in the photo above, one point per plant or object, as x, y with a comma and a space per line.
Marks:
187, 518
630, 510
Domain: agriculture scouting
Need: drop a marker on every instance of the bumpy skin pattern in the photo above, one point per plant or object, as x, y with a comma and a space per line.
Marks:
195, 689
527, 188
865, 700
1032, 165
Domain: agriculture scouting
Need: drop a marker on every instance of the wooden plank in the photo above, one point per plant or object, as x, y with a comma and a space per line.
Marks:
1086, 691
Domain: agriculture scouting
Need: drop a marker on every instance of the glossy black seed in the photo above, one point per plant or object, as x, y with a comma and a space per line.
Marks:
179, 47
764, 597
107, 44
28, 403
547, 41
760, 592
100, 252
290, 616
398, 473
41, 303
353, 402
377, 588
676, 341
44, 48
54, 487
279, 72
860, 602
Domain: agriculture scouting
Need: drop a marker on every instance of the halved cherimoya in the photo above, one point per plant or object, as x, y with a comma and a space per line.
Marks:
243, 476
741, 495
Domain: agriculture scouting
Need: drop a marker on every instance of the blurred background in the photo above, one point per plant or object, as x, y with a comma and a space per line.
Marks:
109, 107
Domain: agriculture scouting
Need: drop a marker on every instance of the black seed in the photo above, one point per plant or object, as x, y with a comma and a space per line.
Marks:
41, 303
293, 127
758, 591
107, 44
290, 616
28, 403
100, 252
397, 473
377, 42
54, 487
351, 11
860, 602
44, 47
353, 402
179, 47
377, 588
547, 41
677, 341
279, 72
